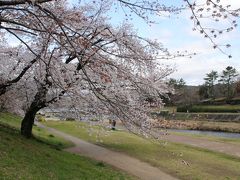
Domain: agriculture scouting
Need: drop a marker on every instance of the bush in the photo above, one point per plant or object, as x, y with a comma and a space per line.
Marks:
164, 113
70, 119
186, 108
101, 164
233, 101
41, 118
50, 135
94, 119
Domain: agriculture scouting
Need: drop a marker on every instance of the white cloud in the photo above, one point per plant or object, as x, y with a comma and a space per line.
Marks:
164, 35
194, 70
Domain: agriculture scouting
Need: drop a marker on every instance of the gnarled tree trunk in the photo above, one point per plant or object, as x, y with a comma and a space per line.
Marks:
38, 103
28, 121
3, 89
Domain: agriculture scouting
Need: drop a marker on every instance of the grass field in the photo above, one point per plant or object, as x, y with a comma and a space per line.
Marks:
178, 160
25, 159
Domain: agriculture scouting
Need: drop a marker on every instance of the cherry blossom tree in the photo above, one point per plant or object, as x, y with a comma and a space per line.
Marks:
73, 50
113, 66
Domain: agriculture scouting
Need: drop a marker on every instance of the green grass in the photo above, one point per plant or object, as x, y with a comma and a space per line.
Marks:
22, 158
39, 133
10, 119
179, 160
29, 159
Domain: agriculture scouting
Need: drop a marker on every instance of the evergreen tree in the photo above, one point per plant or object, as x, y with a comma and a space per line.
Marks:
210, 82
227, 79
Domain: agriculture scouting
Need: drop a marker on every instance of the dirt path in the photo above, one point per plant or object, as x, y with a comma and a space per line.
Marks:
126, 163
232, 149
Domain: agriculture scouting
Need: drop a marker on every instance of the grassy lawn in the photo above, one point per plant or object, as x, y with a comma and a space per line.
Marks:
39, 133
22, 158
179, 160
29, 159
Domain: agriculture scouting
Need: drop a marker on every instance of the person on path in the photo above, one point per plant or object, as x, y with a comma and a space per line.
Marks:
114, 124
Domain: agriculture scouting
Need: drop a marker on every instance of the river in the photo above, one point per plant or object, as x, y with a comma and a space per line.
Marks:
209, 133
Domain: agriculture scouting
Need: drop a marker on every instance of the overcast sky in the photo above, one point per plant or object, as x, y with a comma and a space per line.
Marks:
176, 34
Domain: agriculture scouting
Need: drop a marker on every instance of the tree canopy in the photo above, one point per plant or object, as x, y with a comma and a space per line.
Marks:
227, 78
210, 80
74, 53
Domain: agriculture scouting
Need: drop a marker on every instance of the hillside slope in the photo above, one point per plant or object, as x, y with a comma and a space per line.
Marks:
22, 158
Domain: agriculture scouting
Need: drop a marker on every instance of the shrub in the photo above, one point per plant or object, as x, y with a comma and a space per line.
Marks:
185, 108
101, 164
50, 135
94, 119
164, 113
41, 118
70, 119
233, 101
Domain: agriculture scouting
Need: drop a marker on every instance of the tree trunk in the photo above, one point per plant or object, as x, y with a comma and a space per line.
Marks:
3, 89
38, 103
27, 122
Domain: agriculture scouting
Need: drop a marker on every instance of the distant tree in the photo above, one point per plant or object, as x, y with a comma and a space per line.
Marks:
182, 93
237, 86
178, 86
210, 80
203, 91
227, 79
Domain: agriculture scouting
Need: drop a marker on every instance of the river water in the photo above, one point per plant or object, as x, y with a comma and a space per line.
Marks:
209, 133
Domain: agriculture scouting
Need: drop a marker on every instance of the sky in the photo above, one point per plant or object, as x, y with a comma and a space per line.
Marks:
175, 32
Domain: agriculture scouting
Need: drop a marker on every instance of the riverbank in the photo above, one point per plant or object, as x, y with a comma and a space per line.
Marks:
202, 125
212, 117
211, 136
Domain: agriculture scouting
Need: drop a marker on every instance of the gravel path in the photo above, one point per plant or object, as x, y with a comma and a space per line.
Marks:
121, 161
